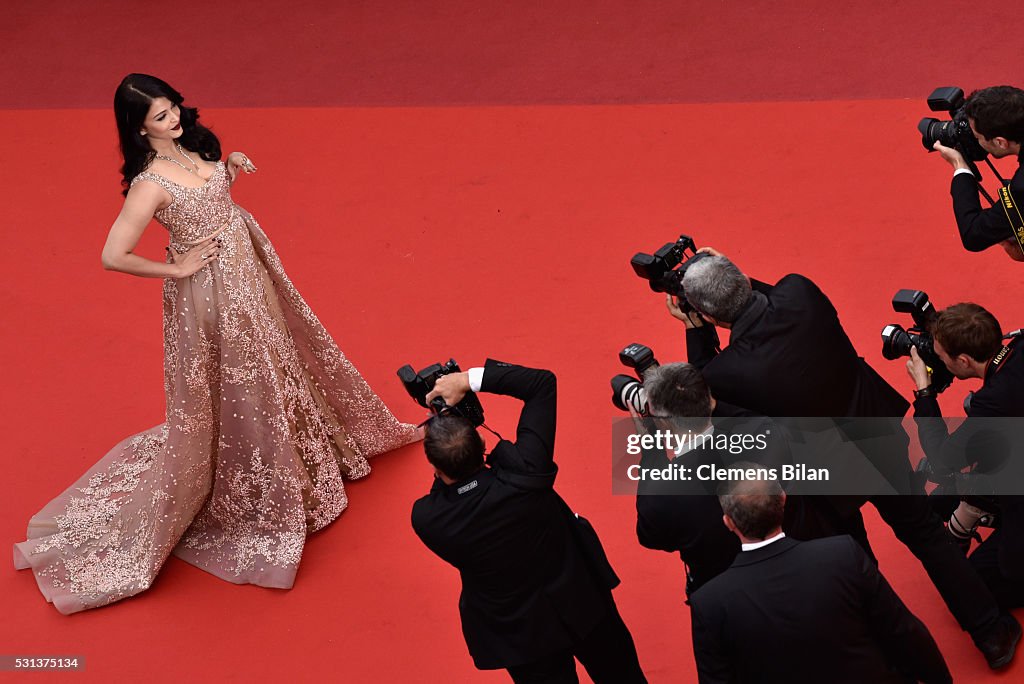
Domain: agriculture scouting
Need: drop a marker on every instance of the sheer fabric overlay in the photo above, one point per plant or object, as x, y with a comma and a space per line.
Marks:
265, 417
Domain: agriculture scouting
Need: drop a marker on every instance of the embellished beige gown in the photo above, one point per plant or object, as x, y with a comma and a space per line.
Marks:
265, 416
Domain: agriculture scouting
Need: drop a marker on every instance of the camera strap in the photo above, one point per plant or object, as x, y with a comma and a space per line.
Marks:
1013, 215
1005, 352
484, 426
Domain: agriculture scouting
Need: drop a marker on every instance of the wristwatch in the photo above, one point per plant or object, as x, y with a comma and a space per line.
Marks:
928, 391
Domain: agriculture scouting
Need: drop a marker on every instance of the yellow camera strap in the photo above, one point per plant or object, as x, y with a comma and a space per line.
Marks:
1009, 205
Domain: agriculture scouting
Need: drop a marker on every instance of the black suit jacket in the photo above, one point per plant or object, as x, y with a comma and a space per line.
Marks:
981, 228
684, 517
788, 356
816, 611
1001, 396
527, 588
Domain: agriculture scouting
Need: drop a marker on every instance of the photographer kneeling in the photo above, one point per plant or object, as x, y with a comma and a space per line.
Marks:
536, 587
996, 117
969, 341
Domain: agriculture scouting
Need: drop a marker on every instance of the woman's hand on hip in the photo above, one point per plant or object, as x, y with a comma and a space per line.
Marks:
194, 259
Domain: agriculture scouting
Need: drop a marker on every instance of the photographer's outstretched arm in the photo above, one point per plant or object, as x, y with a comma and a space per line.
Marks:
931, 429
946, 453
538, 389
980, 228
701, 337
714, 662
701, 345
659, 532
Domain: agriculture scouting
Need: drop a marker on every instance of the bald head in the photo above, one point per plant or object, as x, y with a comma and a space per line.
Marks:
753, 507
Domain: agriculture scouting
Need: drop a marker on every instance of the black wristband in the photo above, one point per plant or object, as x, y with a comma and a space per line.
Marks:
928, 391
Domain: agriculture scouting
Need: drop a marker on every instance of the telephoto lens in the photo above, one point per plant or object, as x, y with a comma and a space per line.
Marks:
627, 393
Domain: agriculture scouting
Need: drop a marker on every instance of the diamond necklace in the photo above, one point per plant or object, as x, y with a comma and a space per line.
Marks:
177, 146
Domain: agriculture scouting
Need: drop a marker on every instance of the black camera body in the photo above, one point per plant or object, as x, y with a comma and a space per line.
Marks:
955, 133
897, 341
628, 392
419, 385
660, 269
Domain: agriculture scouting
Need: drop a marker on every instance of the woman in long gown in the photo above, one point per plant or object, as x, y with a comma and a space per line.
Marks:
265, 415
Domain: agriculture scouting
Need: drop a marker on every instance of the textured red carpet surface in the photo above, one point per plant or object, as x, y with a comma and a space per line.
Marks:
422, 231
67, 53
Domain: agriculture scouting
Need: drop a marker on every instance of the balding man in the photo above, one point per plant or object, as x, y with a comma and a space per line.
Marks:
789, 611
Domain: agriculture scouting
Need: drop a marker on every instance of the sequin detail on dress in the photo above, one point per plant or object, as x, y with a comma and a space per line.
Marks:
265, 417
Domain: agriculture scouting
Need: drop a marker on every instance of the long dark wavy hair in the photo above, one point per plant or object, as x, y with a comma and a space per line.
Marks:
131, 104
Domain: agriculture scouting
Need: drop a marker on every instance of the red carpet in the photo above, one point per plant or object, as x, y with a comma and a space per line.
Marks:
419, 232
458, 52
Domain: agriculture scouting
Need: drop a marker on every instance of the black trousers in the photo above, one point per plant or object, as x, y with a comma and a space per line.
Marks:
914, 522
1000, 559
912, 518
607, 653
920, 528
995, 563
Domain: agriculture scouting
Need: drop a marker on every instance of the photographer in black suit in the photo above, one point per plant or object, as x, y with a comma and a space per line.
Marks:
996, 116
803, 612
789, 357
969, 341
683, 516
536, 586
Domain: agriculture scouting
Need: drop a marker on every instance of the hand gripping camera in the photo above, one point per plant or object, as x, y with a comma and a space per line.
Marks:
897, 341
956, 133
660, 269
419, 385
628, 392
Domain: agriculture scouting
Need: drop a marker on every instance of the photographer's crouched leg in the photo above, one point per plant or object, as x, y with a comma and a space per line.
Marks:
921, 530
1000, 558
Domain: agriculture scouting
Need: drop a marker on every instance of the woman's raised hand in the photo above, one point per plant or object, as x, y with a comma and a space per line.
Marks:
238, 161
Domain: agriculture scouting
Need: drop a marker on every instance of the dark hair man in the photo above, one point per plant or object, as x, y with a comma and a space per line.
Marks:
969, 341
683, 516
789, 611
536, 587
788, 356
996, 116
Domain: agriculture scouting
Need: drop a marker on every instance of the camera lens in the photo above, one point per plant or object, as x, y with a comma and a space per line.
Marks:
956, 133
627, 392
895, 342
671, 283
933, 130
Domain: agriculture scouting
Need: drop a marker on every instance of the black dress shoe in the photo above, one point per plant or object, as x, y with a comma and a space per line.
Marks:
1001, 643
